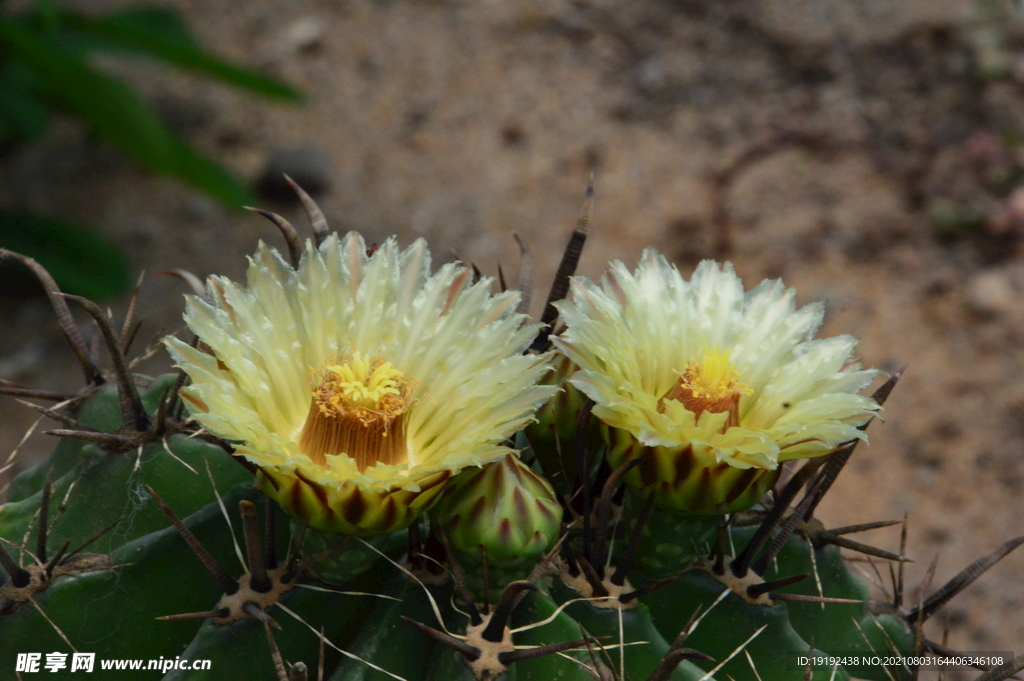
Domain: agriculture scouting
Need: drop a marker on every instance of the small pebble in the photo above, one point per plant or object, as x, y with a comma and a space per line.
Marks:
992, 292
304, 35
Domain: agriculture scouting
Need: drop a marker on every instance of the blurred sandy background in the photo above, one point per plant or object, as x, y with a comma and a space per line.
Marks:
864, 151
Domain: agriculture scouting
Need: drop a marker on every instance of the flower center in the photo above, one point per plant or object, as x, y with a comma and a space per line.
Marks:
709, 385
359, 410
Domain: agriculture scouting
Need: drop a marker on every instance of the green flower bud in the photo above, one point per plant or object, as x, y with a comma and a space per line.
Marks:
503, 507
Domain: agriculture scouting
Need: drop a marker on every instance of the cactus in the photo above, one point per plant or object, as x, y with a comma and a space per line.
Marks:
429, 487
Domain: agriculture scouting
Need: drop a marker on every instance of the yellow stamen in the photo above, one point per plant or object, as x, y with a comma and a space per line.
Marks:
359, 410
709, 385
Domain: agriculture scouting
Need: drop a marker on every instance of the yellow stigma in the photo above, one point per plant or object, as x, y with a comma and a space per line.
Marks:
358, 410
709, 385
368, 388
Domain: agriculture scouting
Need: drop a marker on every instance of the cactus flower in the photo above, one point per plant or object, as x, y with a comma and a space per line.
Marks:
504, 507
359, 382
712, 387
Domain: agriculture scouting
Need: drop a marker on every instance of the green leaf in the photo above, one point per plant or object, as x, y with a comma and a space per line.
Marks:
117, 115
157, 22
22, 115
80, 260
163, 34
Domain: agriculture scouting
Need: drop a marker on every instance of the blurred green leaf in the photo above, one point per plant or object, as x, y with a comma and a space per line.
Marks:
81, 261
22, 116
157, 22
117, 115
162, 33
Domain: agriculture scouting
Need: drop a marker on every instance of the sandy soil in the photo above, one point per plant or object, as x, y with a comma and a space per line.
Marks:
845, 147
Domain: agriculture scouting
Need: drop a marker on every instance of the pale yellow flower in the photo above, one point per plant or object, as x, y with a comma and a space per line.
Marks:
358, 384
713, 387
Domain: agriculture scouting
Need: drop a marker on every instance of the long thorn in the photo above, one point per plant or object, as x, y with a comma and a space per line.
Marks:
57, 557
56, 416
802, 598
595, 664
604, 508
160, 419
176, 406
583, 469
755, 590
741, 563
525, 280
320, 659
898, 589
485, 573
926, 585
259, 581
228, 585
685, 632
131, 404
718, 567
129, 315
194, 283
96, 537
829, 538
962, 580
19, 576
289, 233
788, 527
510, 657
570, 259
593, 578
52, 624
468, 651
95, 342
643, 591
8, 388
111, 439
253, 610
316, 216
269, 534
295, 558
460, 581
571, 561
863, 527
618, 578
207, 614
945, 642
672, 658
64, 318
495, 629
44, 518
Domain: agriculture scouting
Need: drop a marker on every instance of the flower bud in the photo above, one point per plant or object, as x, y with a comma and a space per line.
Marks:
504, 507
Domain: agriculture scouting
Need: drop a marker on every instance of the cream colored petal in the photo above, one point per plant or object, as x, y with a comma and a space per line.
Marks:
633, 336
461, 346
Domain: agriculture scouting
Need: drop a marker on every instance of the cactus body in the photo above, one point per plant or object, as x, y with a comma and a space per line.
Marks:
532, 566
